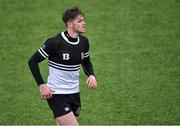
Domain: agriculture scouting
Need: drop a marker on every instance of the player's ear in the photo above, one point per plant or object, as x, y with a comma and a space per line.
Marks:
69, 24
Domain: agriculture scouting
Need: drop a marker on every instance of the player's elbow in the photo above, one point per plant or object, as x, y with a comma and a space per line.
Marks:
30, 62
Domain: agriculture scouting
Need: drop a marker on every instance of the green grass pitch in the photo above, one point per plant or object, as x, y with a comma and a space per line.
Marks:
135, 51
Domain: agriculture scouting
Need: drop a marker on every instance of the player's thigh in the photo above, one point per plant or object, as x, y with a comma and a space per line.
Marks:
67, 119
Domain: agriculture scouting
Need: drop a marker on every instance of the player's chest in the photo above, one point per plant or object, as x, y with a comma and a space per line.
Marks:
71, 53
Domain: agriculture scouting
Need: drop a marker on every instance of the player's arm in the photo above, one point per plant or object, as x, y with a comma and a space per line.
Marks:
88, 68
42, 53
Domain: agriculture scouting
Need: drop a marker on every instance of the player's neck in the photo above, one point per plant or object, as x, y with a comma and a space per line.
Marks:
70, 38
72, 34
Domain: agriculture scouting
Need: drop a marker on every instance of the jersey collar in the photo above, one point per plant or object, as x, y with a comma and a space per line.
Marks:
66, 39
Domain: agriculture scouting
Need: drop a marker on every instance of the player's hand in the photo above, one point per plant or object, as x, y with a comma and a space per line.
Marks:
91, 82
45, 91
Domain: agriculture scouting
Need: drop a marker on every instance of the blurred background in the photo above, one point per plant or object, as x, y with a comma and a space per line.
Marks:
135, 51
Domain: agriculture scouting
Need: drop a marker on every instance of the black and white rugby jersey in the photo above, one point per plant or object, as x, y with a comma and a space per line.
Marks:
64, 54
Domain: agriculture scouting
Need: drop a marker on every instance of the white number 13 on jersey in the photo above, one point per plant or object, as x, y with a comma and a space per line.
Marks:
65, 56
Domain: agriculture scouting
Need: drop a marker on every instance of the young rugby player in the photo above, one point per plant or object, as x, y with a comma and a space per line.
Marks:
65, 53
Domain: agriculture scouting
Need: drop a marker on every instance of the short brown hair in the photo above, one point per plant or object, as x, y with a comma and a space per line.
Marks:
71, 14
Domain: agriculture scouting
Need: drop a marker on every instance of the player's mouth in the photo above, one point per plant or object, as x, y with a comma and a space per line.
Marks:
83, 28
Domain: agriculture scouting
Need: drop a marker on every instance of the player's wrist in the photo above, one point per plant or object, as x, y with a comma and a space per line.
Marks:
42, 85
92, 75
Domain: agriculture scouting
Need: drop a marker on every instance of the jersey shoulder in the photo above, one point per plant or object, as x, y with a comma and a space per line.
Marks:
83, 38
51, 44
85, 42
54, 40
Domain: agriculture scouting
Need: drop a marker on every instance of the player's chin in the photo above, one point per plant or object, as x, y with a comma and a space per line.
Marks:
82, 30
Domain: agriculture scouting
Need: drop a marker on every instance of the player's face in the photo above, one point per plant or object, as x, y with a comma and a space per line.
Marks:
78, 24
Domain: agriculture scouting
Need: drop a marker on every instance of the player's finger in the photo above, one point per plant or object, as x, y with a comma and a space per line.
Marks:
93, 84
89, 84
43, 97
87, 81
52, 90
46, 97
50, 95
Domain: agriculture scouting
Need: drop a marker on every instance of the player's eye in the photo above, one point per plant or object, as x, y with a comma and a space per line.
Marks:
79, 21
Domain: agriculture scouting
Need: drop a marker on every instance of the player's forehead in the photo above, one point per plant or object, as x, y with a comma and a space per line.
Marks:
79, 17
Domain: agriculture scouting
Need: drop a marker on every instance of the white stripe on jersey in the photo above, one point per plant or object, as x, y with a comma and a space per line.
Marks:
65, 38
86, 54
42, 53
64, 67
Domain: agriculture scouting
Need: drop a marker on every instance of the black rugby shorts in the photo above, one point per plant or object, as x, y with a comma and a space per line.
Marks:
62, 104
